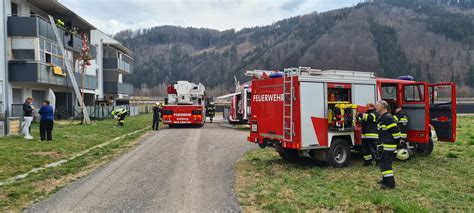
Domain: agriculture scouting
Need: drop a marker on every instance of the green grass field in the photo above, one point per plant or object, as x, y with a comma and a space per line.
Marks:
18, 156
440, 182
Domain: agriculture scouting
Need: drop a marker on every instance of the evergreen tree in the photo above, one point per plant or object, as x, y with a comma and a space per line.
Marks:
470, 76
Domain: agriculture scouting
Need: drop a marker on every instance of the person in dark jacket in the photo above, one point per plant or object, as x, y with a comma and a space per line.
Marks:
46, 122
402, 121
27, 118
370, 134
157, 111
389, 138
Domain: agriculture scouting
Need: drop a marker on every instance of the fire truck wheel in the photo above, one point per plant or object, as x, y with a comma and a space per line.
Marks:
339, 155
425, 149
289, 155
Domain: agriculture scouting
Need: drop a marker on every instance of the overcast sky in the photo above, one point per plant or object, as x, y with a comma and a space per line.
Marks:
112, 16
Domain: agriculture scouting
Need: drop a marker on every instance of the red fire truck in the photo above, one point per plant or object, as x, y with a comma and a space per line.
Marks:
304, 112
239, 110
184, 105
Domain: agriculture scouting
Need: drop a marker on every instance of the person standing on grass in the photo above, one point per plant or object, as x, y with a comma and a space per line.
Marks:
389, 138
157, 110
370, 135
27, 118
46, 122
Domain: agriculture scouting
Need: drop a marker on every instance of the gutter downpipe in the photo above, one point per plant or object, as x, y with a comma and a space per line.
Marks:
6, 88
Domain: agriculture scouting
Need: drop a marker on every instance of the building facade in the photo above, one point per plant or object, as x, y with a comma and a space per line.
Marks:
32, 63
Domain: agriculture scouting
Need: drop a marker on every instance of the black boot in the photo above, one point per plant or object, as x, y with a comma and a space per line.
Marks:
388, 183
368, 163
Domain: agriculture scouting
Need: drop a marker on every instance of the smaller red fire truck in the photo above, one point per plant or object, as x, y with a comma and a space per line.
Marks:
304, 112
184, 105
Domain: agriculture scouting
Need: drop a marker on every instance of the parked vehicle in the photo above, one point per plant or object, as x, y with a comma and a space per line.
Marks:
239, 109
294, 111
184, 105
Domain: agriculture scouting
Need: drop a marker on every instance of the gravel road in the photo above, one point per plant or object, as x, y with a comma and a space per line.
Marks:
172, 170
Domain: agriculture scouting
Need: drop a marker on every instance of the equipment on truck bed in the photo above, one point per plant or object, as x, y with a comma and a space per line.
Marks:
185, 104
185, 93
310, 112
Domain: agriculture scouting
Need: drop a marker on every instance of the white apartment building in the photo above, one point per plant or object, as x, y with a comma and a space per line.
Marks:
31, 63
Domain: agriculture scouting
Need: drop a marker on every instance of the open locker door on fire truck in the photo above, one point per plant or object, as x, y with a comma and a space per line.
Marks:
415, 103
443, 110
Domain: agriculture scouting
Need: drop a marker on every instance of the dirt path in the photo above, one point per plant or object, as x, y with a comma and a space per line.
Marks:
173, 170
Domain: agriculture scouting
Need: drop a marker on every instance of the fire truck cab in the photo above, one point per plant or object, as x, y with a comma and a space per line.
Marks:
304, 112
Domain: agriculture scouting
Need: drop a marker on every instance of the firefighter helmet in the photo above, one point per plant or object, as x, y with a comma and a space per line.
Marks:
402, 154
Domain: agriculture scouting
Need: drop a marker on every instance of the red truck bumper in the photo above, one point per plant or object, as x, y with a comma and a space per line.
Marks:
183, 114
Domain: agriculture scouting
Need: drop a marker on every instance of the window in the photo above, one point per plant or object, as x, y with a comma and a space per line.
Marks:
389, 92
48, 58
51, 54
48, 47
440, 94
339, 95
14, 9
414, 93
41, 44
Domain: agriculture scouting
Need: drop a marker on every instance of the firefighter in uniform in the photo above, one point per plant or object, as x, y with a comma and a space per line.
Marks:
121, 114
157, 111
389, 137
211, 111
370, 134
402, 121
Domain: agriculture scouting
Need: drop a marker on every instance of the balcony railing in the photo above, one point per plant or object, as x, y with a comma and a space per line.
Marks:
123, 66
113, 87
36, 26
42, 73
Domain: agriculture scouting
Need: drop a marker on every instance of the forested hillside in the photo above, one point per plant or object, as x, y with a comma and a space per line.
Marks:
424, 38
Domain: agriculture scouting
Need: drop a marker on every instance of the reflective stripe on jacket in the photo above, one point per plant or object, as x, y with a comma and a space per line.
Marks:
389, 134
402, 121
369, 124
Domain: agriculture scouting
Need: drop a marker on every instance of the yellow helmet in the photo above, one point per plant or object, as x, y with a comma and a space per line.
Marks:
402, 154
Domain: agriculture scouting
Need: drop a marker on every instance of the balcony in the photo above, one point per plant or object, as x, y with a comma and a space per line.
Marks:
39, 27
113, 87
35, 72
122, 66
90, 82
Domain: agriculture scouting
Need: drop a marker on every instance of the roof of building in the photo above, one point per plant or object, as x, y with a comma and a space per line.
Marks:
57, 9
119, 46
